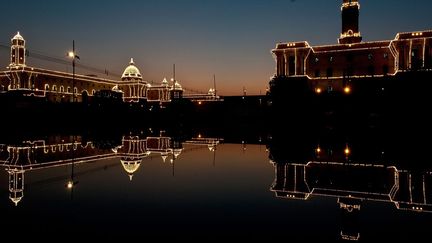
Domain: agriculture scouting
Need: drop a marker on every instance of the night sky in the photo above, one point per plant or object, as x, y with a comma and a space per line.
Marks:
229, 38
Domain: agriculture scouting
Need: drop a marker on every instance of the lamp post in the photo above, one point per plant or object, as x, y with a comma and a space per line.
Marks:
72, 54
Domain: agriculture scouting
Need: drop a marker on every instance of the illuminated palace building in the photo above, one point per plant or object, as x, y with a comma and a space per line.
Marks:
57, 86
351, 63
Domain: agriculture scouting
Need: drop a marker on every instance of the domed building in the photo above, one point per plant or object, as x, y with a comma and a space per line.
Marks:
132, 84
161, 93
67, 87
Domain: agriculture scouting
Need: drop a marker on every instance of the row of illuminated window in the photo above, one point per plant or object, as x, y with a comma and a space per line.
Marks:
350, 71
350, 57
62, 89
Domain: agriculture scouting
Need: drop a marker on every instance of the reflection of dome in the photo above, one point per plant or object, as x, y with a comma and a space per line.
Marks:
15, 200
131, 72
130, 166
18, 37
211, 147
164, 156
177, 152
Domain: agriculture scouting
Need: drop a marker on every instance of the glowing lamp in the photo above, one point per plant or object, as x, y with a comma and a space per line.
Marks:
347, 90
318, 150
318, 91
71, 54
69, 185
347, 151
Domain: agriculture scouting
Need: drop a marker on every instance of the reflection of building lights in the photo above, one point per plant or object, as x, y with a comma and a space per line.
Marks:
70, 184
347, 151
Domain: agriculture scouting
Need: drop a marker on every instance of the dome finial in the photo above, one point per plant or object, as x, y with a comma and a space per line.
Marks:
132, 61
130, 177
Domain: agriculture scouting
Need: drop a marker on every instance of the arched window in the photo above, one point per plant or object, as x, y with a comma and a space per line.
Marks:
93, 92
69, 89
385, 69
329, 72
371, 70
61, 89
54, 88
46, 87
76, 90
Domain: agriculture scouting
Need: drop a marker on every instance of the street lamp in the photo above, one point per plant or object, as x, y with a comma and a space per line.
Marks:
72, 54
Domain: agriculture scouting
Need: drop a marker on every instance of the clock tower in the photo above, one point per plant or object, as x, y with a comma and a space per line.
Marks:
18, 51
350, 22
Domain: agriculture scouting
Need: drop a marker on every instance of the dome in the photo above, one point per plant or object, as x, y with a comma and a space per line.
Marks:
18, 37
15, 200
131, 72
177, 85
165, 82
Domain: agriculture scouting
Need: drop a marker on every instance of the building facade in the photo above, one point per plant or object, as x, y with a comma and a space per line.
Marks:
334, 67
62, 87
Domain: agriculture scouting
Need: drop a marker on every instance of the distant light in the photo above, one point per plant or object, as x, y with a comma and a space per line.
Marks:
71, 54
199, 103
69, 184
199, 136
347, 151
347, 90
318, 91
318, 150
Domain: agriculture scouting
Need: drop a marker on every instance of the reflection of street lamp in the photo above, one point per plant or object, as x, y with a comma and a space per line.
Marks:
71, 183
72, 54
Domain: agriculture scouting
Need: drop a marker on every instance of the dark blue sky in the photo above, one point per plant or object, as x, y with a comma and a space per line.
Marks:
229, 38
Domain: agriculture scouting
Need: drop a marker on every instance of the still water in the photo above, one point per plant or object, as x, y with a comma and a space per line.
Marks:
208, 186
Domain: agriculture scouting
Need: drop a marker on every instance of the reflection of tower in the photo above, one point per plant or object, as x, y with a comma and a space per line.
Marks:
177, 149
350, 210
350, 22
16, 185
212, 148
17, 51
